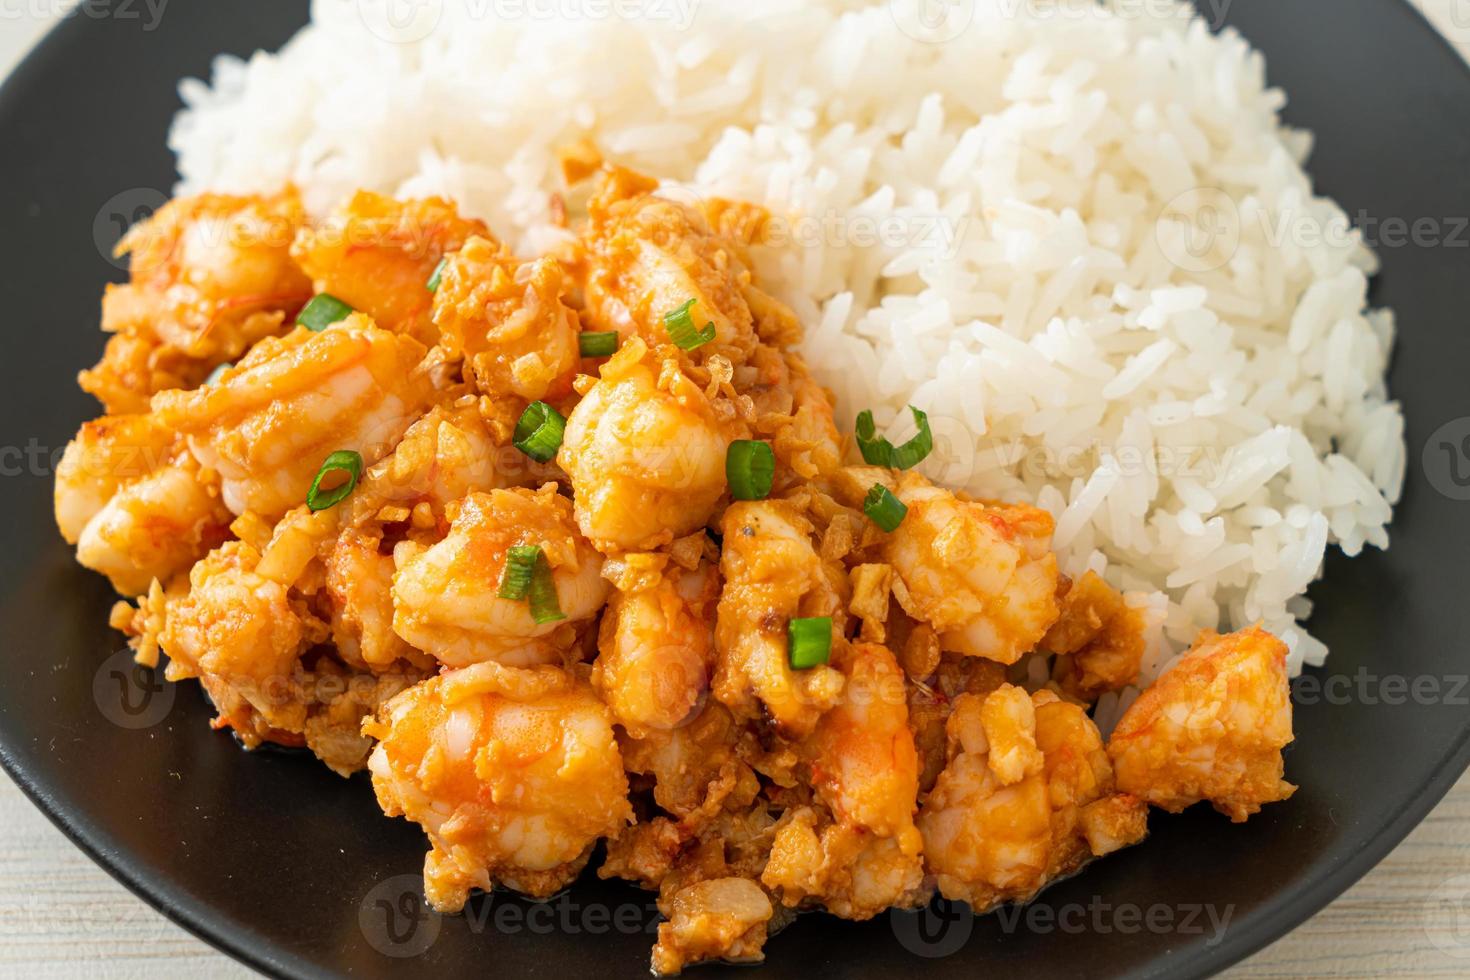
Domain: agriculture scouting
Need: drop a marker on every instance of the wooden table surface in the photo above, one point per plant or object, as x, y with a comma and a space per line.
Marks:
63, 917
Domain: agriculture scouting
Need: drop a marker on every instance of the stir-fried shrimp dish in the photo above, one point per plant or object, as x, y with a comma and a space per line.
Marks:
572, 555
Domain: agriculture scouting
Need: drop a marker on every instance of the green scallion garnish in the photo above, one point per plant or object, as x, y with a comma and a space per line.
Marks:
600, 344
750, 466
883, 508
520, 566
434, 280
322, 312
217, 373
811, 642
545, 608
342, 461
539, 431
878, 451
528, 576
680, 325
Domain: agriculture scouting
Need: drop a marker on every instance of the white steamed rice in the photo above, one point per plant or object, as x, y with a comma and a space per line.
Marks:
1077, 235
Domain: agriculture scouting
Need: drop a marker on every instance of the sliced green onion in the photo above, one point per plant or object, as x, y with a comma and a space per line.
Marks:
342, 461
528, 576
600, 344
539, 431
878, 451
438, 275
322, 312
521, 563
680, 325
217, 373
883, 508
811, 642
544, 605
520, 566
750, 466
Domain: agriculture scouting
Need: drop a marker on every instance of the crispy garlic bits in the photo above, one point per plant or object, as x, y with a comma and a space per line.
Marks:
569, 552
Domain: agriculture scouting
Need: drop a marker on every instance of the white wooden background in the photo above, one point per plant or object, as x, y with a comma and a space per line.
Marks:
62, 917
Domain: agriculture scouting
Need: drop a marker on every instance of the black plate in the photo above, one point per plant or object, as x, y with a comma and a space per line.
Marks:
296, 872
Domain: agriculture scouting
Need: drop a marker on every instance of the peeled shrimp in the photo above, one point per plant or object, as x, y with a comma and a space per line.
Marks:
656, 648
210, 275
865, 769
446, 597
134, 504
377, 254
1027, 797
1211, 728
982, 576
772, 575
514, 774
269, 423
645, 453
508, 320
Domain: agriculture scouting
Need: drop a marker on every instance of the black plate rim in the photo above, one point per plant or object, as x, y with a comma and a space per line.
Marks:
1268, 923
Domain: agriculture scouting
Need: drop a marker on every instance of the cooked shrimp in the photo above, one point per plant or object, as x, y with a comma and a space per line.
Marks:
105, 455
445, 455
717, 919
536, 660
244, 624
648, 256
656, 648
514, 775
862, 757
995, 831
645, 453
154, 528
377, 255
210, 275
240, 628
840, 868
1211, 728
865, 769
773, 574
508, 320
132, 368
446, 597
932, 697
134, 503
360, 590
982, 576
1098, 639
268, 424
